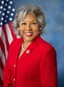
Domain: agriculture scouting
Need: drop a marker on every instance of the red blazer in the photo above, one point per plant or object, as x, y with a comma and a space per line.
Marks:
35, 68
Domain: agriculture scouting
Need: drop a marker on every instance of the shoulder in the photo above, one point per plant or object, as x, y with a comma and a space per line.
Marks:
15, 43
47, 51
46, 46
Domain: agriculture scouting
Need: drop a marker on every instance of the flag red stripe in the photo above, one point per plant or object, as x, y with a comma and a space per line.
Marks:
1, 64
2, 47
1, 83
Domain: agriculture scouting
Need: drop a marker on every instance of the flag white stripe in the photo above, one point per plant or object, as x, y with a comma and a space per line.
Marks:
0, 31
9, 34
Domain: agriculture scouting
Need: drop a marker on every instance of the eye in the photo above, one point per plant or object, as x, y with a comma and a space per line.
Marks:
34, 23
23, 23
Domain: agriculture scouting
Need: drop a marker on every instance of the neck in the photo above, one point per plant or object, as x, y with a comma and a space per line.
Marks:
26, 44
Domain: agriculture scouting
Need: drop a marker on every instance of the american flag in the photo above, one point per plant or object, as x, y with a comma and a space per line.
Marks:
7, 13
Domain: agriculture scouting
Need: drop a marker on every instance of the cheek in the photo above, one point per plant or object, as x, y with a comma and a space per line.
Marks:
36, 30
20, 29
36, 33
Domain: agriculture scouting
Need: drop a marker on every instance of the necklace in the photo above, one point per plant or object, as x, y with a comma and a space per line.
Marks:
23, 47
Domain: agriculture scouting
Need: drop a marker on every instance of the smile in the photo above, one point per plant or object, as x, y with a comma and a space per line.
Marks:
28, 33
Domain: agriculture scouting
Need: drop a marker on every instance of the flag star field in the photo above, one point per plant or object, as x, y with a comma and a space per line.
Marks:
7, 11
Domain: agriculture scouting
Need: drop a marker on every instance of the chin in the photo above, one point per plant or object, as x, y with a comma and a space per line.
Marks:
28, 39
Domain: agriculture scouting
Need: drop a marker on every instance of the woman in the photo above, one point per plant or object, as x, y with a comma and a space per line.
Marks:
31, 60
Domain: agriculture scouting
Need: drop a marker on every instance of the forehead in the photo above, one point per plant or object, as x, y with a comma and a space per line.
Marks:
29, 17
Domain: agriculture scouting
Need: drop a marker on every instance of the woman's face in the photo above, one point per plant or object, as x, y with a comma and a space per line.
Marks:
29, 27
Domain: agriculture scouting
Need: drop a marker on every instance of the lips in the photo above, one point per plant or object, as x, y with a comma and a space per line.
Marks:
28, 33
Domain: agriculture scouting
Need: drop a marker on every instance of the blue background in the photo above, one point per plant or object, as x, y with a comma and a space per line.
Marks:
54, 12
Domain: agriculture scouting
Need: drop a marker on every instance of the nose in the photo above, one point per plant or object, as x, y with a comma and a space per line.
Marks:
28, 27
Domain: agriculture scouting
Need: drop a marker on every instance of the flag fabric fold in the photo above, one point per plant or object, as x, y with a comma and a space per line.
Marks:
7, 35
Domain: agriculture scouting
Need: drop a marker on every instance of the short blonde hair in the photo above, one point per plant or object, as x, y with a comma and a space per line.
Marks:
26, 9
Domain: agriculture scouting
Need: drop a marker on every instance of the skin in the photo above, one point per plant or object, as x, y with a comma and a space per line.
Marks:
29, 28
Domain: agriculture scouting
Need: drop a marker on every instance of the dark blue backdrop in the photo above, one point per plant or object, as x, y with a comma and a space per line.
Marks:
54, 11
